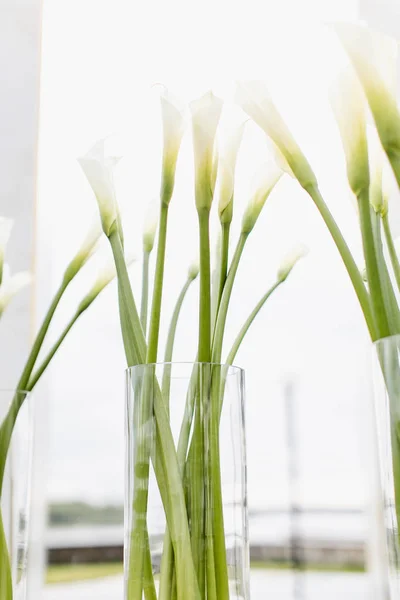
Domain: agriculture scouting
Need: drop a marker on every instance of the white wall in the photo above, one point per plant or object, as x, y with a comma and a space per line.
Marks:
20, 53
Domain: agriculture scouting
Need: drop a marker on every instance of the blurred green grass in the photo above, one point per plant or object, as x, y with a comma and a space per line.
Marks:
73, 573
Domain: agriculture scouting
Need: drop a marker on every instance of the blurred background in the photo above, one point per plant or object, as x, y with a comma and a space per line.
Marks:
306, 360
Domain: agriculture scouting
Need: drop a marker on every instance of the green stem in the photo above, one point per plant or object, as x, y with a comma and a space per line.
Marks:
392, 250
145, 291
349, 262
226, 296
370, 253
204, 352
7, 426
386, 282
247, 324
6, 588
166, 570
139, 542
169, 347
158, 287
224, 261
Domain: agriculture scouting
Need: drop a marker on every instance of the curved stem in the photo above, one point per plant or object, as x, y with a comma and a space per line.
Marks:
166, 570
7, 426
247, 324
158, 287
226, 296
169, 347
145, 291
392, 250
349, 262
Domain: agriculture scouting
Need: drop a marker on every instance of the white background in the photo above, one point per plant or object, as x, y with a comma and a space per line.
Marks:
100, 61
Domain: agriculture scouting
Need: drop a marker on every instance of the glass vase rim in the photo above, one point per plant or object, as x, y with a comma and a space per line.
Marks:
387, 340
10, 390
233, 369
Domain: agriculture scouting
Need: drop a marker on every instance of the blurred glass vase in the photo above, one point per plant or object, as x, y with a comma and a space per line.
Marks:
15, 494
387, 408
186, 529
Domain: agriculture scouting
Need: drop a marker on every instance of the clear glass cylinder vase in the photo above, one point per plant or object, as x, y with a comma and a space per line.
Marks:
387, 409
186, 529
16, 438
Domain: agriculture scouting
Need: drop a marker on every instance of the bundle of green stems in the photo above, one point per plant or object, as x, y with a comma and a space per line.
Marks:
194, 561
36, 364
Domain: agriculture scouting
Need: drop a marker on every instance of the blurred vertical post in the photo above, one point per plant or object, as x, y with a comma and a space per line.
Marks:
296, 552
20, 53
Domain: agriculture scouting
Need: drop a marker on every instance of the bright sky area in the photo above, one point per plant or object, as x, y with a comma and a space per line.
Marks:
100, 61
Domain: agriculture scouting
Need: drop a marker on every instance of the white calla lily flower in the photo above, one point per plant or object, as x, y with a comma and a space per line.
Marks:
206, 113
377, 163
348, 105
6, 226
290, 260
150, 226
389, 187
11, 285
374, 58
99, 170
86, 250
255, 100
173, 119
226, 173
265, 180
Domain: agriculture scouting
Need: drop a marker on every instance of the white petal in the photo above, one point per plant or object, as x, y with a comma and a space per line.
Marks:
99, 172
348, 105
194, 269
206, 112
255, 100
373, 54
11, 286
374, 58
150, 226
173, 119
289, 261
227, 165
264, 181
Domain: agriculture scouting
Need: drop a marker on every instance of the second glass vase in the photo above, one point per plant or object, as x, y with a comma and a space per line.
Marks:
186, 531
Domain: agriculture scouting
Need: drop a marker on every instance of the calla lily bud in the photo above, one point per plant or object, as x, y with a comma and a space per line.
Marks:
389, 188
104, 278
265, 180
99, 171
11, 286
150, 227
255, 100
376, 164
206, 113
348, 104
86, 250
290, 260
214, 170
6, 226
227, 167
194, 270
374, 58
173, 118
